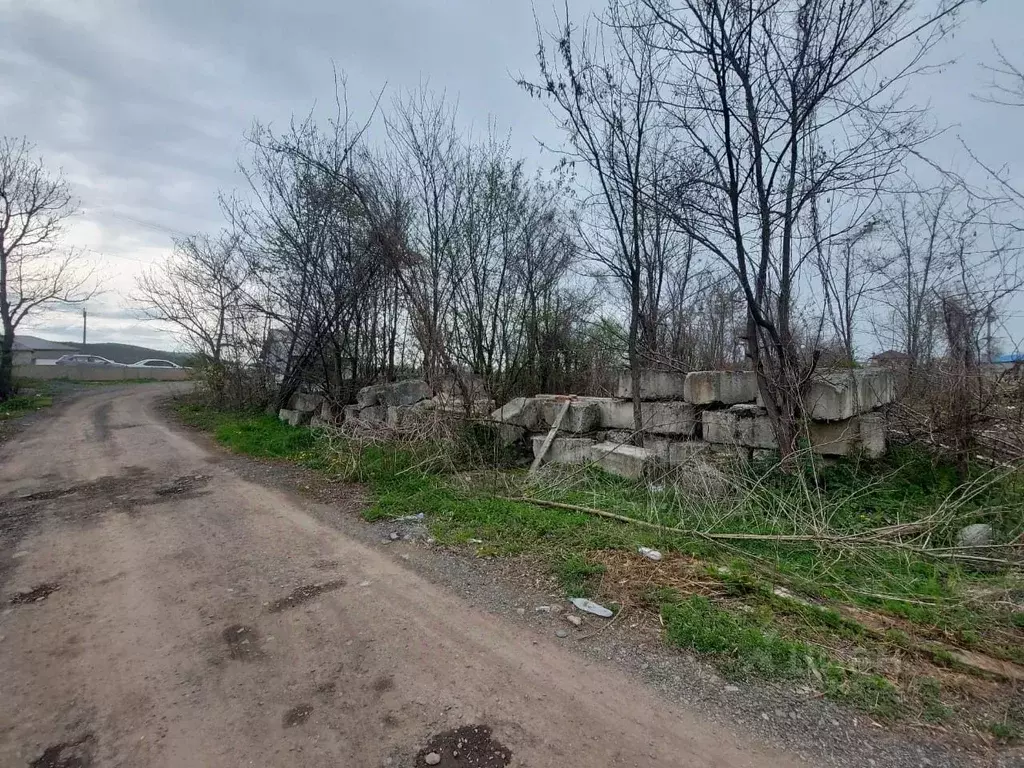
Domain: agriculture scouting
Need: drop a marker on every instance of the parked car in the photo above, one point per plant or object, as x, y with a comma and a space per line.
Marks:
94, 360
154, 363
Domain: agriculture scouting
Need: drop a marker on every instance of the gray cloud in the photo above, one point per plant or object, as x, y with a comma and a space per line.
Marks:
145, 104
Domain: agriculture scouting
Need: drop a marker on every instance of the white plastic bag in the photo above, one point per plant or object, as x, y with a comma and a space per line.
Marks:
590, 607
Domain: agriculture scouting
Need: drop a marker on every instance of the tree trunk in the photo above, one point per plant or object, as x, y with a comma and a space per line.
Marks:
635, 369
7, 364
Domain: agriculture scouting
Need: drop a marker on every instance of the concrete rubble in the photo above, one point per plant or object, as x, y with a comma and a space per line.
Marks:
697, 419
691, 421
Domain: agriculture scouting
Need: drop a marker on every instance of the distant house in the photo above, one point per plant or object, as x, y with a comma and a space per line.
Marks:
891, 359
29, 350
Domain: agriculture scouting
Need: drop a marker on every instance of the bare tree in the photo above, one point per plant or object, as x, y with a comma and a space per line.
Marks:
923, 234
782, 102
199, 289
601, 83
35, 269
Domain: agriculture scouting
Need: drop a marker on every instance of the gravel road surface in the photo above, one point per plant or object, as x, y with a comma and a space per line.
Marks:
160, 608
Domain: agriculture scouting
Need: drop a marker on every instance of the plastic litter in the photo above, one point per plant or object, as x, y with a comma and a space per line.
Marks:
650, 554
417, 516
591, 607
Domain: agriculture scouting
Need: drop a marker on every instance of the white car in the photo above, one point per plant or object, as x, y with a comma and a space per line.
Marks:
154, 363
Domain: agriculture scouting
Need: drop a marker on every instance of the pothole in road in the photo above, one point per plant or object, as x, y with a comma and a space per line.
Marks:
34, 595
470, 746
297, 715
303, 595
77, 754
243, 642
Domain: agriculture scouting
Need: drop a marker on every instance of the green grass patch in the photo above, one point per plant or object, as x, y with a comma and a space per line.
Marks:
1007, 732
744, 645
577, 576
19, 405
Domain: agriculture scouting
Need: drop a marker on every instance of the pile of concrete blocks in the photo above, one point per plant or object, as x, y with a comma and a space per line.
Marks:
304, 408
692, 418
380, 404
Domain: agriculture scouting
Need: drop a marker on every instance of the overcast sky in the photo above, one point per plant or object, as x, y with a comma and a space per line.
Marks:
144, 102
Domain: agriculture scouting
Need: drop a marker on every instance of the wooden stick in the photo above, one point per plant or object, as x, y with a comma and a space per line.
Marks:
551, 436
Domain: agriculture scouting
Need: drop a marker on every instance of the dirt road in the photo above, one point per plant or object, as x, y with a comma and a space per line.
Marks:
184, 616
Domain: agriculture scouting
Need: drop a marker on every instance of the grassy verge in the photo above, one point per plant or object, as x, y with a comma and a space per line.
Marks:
871, 626
19, 405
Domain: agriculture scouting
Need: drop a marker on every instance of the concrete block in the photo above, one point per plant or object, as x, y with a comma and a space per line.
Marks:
582, 417
658, 447
703, 478
623, 460
669, 418
303, 401
394, 416
660, 418
293, 417
834, 438
654, 385
841, 438
686, 452
872, 434
565, 450
746, 426
843, 395
522, 412
403, 393
369, 396
615, 413
720, 387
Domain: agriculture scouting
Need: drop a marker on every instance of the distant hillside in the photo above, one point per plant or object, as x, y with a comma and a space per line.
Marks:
127, 353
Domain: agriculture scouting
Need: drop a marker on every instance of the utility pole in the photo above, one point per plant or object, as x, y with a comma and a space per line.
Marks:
85, 317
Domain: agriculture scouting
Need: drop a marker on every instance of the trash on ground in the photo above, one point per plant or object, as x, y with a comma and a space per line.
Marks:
650, 554
590, 607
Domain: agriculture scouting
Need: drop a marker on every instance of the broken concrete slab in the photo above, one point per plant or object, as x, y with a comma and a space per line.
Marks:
373, 416
304, 401
403, 393
741, 425
654, 385
565, 450
293, 417
623, 460
522, 412
369, 396
720, 387
839, 396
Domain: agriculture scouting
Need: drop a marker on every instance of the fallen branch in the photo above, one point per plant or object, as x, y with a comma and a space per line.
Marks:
867, 539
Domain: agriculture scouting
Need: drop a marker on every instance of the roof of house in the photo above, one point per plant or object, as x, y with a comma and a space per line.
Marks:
24, 343
1012, 357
